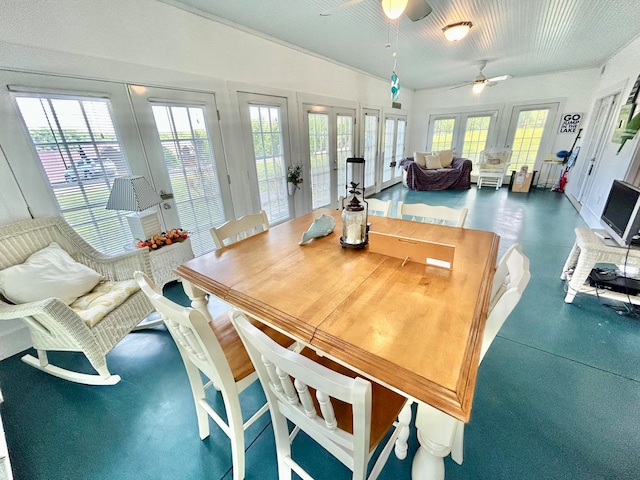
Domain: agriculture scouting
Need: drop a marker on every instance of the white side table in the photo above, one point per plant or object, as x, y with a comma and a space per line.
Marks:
165, 259
588, 250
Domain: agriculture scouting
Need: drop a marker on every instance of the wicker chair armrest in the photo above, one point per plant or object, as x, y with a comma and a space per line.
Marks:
119, 267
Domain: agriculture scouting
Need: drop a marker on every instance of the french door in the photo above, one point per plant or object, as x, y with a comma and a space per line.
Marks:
466, 133
330, 141
370, 147
182, 139
395, 128
603, 113
530, 133
265, 128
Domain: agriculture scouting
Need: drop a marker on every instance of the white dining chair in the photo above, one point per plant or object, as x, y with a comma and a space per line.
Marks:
347, 415
379, 207
421, 212
212, 347
445, 432
235, 230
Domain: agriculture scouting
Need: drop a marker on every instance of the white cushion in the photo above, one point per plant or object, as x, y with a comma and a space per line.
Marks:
446, 158
100, 301
418, 157
50, 272
433, 161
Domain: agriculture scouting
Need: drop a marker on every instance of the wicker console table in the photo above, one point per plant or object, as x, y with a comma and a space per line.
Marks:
587, 251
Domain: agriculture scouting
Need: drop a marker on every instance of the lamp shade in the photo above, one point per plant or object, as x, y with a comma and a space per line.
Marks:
457, 31
133, 194
394, 8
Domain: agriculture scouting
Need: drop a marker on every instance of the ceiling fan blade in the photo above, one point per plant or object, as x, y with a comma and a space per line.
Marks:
342, 6
500, 78
461, 85
417, 10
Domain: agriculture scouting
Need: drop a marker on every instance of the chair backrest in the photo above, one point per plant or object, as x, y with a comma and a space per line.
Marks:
497, 161
382, 206
421, 212
511, 278
196, 341
287, 378
244, 227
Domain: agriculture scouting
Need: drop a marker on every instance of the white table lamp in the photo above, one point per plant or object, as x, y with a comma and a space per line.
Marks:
134, 194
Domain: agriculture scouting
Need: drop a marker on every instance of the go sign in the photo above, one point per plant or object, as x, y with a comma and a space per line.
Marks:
570, 122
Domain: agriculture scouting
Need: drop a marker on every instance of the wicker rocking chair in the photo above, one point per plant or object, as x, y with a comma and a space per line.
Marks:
52, 323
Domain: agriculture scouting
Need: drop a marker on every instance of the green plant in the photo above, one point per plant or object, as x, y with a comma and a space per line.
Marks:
294, 174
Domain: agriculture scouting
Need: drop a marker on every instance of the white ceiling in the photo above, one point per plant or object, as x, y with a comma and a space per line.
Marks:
517, 37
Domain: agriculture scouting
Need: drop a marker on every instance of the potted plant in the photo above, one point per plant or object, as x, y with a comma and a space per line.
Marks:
294, 178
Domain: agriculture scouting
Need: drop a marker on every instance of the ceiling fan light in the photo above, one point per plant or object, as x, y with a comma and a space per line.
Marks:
478, 87
394, 8
457, 31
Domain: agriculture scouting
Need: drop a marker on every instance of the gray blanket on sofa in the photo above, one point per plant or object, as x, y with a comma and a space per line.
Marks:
422, 179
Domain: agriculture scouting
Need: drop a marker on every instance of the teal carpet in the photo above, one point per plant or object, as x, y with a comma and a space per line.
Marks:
558, 393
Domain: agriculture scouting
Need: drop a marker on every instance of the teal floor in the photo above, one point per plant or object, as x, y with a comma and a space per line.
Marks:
558, 393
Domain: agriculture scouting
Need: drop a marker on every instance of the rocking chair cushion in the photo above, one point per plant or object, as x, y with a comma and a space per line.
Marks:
50, 272
103, 299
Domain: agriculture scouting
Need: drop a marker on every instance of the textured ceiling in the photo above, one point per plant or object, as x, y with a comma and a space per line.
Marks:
517, 37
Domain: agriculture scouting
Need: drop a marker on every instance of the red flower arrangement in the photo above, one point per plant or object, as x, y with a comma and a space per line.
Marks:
172, 236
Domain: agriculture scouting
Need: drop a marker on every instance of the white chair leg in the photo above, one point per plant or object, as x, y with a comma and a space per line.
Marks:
404, 417
236, 434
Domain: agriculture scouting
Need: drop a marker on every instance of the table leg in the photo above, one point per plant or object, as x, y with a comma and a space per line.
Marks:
572, 259
198, 298
436, 435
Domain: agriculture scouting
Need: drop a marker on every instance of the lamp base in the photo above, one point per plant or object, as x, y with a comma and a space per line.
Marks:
359, 246
144, 225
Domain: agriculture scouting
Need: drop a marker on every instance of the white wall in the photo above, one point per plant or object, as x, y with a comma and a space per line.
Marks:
573, 89
620, 72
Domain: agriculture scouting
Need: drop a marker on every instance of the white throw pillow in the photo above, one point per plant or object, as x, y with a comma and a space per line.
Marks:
418, 157
50, 272
433, 161
446, 158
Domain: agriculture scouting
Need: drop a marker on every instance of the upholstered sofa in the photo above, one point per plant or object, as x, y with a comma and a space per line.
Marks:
457, 177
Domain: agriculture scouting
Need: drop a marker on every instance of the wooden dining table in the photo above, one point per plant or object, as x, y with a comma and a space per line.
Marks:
413, 327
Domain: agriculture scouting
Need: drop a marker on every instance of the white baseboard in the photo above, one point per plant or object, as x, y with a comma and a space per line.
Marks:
14, 338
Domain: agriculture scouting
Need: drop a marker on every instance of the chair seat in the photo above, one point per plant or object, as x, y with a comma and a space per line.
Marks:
102, 300
385, 404
233, 348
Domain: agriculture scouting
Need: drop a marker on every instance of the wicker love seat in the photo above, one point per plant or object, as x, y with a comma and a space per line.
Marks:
53, 324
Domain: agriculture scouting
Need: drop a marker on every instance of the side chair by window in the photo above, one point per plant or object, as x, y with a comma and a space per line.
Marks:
493, 167
510, 280
235, 230
41, 260
438, 214
212, 346
345, 414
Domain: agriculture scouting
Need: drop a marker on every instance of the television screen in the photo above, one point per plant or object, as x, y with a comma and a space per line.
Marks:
621, 214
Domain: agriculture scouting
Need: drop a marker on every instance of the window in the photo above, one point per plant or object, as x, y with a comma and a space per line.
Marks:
76, 142
442, 138
270, 162
475, 137
527, 139
345, 148
319, 154
370, 149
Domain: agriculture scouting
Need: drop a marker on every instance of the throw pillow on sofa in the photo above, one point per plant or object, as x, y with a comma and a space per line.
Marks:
50, 272
418, 157
433, 161
446, 158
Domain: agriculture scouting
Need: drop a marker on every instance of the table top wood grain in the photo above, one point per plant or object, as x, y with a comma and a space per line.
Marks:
415, 328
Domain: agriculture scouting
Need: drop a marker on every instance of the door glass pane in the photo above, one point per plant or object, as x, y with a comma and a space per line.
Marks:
319, 155
77, 144
400, 135
269, 158
345, 149
528, 136
370, 149
475, 137
188, 156
442, 134
389, 143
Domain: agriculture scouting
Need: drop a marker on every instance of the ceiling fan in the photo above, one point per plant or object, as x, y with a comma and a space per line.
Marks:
481, 81
415, 10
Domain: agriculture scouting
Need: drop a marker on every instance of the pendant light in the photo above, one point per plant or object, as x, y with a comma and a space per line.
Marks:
394, 8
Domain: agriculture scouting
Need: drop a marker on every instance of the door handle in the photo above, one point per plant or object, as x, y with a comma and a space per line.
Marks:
166, 196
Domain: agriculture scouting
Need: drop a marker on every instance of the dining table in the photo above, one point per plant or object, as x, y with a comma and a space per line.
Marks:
414, 327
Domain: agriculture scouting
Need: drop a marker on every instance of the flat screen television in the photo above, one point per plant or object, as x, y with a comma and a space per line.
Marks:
621, 215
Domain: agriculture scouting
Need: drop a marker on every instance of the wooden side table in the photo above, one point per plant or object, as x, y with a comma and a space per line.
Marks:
587, 251
164, 260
